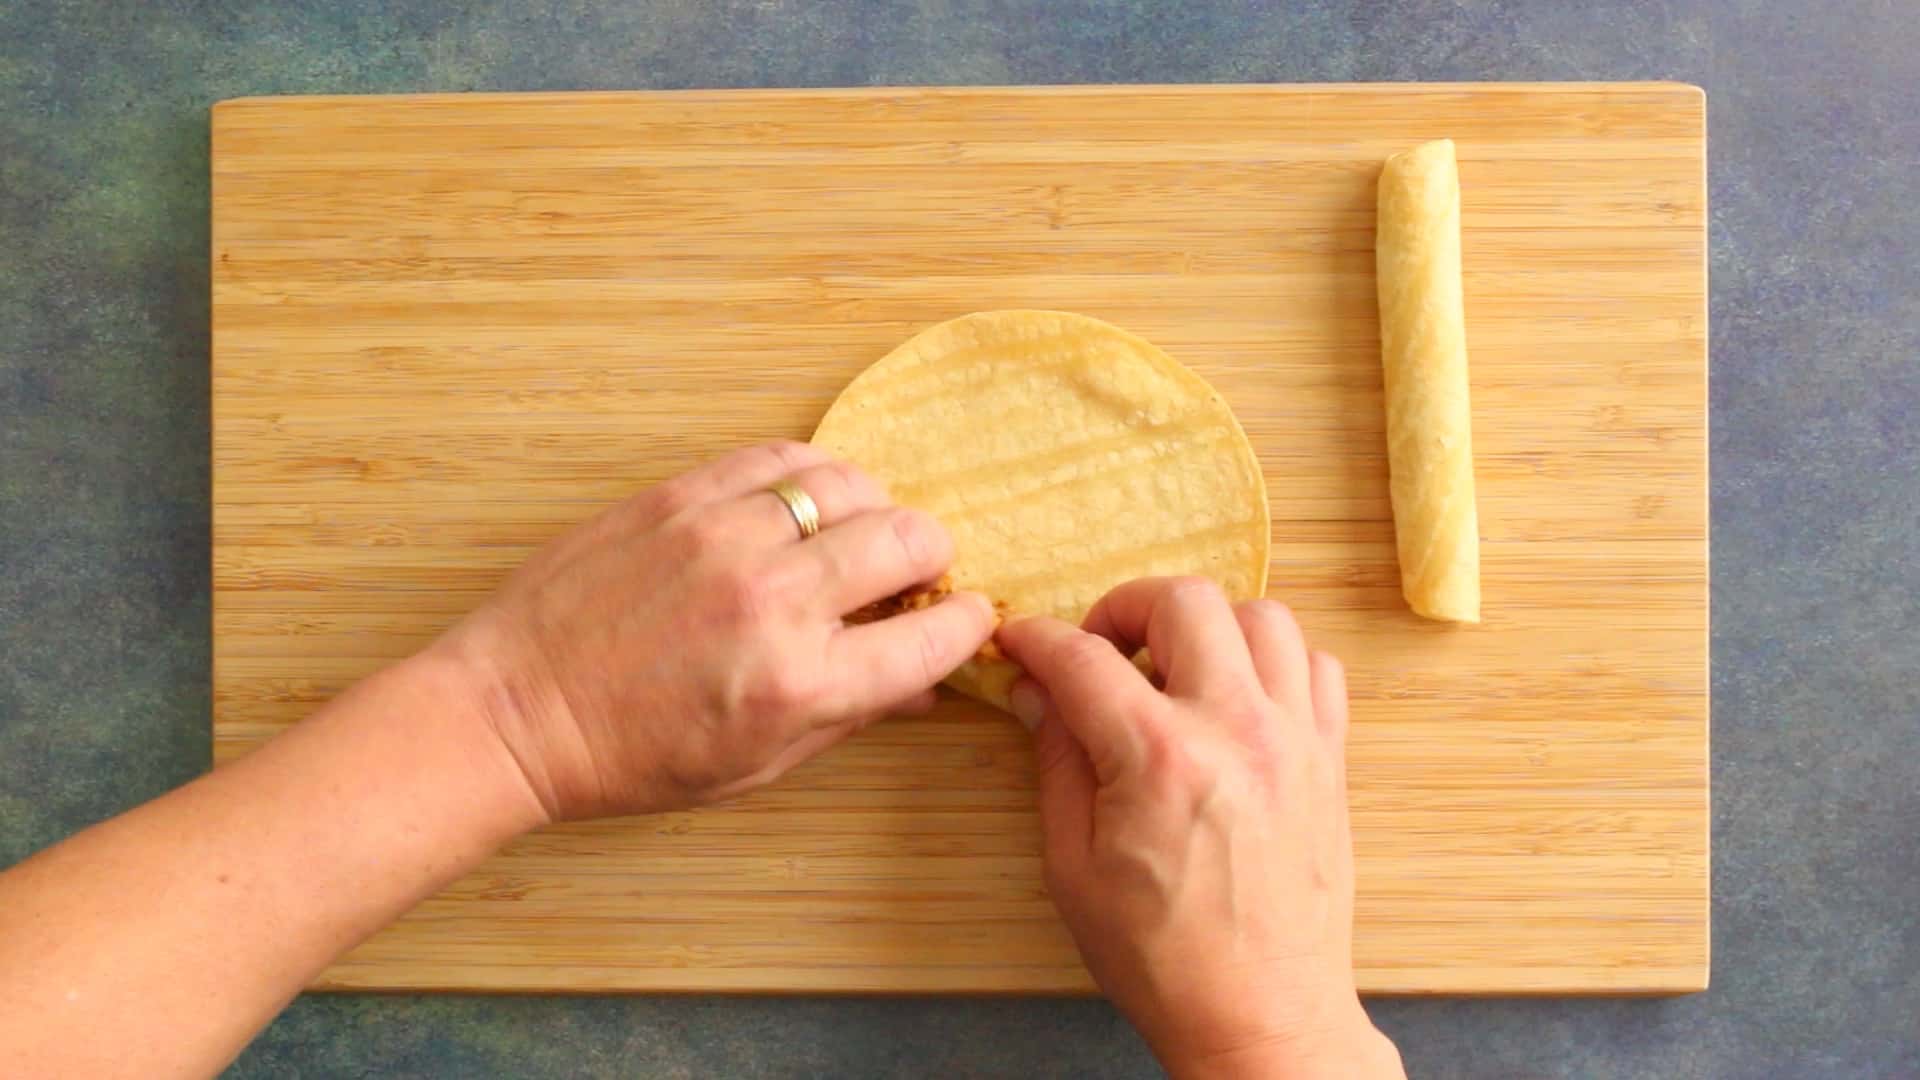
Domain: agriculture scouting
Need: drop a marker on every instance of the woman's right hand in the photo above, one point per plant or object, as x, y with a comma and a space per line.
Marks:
1196, 837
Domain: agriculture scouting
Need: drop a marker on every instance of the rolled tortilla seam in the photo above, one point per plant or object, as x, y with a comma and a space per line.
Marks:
1423, 348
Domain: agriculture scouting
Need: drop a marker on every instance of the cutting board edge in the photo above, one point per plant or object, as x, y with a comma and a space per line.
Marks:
749, 93
1672, 981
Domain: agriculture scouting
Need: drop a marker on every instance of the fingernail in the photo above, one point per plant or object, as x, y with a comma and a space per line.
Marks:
1029, 703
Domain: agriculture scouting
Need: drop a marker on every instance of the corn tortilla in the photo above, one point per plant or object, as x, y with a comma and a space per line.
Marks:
1423, 346
1065, 455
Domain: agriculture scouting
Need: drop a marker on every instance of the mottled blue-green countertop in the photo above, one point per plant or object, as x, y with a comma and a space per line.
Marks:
1814, 122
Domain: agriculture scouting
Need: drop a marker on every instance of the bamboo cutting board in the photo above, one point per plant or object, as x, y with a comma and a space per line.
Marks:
446, 328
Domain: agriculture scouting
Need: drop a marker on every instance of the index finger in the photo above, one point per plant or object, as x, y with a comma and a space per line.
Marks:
884, 662
1188, 626
1096, 691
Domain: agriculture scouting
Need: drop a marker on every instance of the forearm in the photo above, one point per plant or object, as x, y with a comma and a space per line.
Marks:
159, 942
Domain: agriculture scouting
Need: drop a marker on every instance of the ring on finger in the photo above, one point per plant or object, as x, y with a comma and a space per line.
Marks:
806, 513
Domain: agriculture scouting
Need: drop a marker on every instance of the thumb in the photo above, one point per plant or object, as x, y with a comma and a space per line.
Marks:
1092, 685
1064, 776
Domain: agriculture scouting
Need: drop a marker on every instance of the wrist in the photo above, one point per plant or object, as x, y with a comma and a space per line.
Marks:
454, 714
1366, 1055
1346, 1048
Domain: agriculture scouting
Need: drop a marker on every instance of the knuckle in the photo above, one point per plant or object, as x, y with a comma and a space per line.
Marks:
754, 593
1163, 754
1055, 749
1079, 651
1144, 710
1193, 588
700, 534
851, 487
1234, 699
829, 484
865, 485
1224, 796
787, 454
669, 499
792, 688
921, 541
1205, 780
1259, 740
1195, 769
1283, 617
746, 595
1264, 608
933, 656
783, 690
1249, 714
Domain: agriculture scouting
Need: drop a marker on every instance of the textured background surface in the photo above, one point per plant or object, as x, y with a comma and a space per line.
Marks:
1815, 140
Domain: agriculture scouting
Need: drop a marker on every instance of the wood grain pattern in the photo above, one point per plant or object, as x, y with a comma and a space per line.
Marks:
445, 328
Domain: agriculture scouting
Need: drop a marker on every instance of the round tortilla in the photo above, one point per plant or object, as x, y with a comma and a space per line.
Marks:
1065, 455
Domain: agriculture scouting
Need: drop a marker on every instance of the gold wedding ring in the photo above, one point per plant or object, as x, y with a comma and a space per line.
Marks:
801, 505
